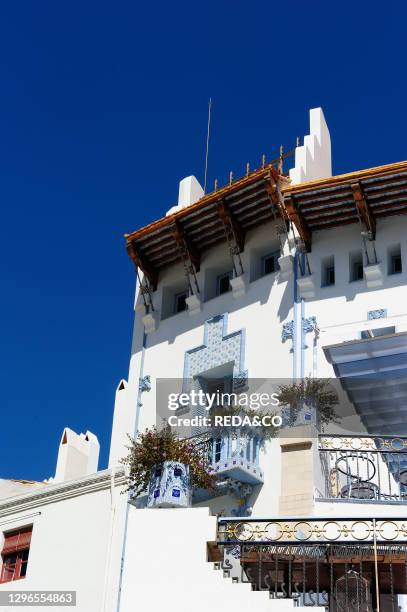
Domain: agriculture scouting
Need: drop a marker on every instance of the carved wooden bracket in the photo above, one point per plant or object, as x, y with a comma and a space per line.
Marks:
363, 209
299, 222
231, 224
141, 262
187, 250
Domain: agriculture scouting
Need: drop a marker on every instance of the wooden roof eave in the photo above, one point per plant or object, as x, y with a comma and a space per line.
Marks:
310, 206
340, 179
212, 198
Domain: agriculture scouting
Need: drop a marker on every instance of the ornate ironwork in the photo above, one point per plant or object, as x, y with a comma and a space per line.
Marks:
363, 443
364, 468
311, 530
335, 575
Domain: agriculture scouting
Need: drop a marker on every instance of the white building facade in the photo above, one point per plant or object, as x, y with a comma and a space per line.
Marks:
274, 277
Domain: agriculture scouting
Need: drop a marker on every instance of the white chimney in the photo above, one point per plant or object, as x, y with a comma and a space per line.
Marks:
78, 455
190, 191
313, 159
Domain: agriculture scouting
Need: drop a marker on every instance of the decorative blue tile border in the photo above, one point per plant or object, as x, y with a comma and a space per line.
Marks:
379, 313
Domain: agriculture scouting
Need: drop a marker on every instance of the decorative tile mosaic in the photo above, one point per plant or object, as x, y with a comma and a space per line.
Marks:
309, 324
287, 331
379, 313
218, 348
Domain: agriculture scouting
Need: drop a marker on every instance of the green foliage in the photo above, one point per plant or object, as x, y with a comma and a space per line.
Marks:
314, 392
153, 447
263, 432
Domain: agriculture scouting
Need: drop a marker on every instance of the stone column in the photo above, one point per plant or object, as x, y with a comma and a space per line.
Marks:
300, 470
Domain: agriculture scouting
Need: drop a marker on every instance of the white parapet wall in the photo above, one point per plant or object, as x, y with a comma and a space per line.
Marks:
313, 159
165, 567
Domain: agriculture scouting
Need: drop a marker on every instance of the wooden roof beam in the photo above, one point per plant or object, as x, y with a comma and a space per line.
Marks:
277, 199
297, 219
363, 209
141, 262
185, 245
230, 221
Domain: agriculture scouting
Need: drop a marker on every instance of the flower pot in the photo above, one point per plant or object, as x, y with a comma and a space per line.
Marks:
307, 414
169, 486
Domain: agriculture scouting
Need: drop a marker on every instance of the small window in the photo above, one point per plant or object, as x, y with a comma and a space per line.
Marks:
223, 283
395, 265
330, 276
358, 271
328, 272
180, 303
14, 555
356, 266
270, 263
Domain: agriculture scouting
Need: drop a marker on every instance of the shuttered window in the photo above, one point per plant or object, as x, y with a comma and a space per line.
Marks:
14, 554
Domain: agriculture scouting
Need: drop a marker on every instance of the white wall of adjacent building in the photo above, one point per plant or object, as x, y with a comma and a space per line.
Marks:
77, 538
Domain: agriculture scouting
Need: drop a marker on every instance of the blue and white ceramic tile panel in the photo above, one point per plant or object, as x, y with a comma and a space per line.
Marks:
218, 348
380, 313
287, 331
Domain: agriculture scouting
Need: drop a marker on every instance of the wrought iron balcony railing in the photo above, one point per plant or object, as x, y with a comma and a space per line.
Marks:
338, 563
364, 468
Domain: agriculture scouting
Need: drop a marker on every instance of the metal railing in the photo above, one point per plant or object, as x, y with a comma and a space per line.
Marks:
348, 564
364, 468
311, 530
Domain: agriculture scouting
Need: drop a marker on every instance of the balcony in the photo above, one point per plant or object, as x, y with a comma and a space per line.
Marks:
233, 455
337, 564
364, 468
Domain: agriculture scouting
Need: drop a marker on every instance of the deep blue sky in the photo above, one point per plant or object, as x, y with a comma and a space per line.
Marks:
102, 111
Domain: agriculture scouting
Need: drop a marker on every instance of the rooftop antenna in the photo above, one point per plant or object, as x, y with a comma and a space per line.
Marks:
207, 142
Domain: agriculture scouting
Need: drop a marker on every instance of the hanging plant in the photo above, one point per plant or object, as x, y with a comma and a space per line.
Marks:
314, 392
152, 448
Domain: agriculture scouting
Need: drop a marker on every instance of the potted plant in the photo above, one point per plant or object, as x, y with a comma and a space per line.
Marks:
309, 401
165, 467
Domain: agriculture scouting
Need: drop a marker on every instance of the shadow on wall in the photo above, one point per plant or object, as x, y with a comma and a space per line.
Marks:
259, 291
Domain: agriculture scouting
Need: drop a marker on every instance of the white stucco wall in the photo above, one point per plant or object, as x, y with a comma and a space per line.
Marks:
166, 568
76, 540
341, 312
